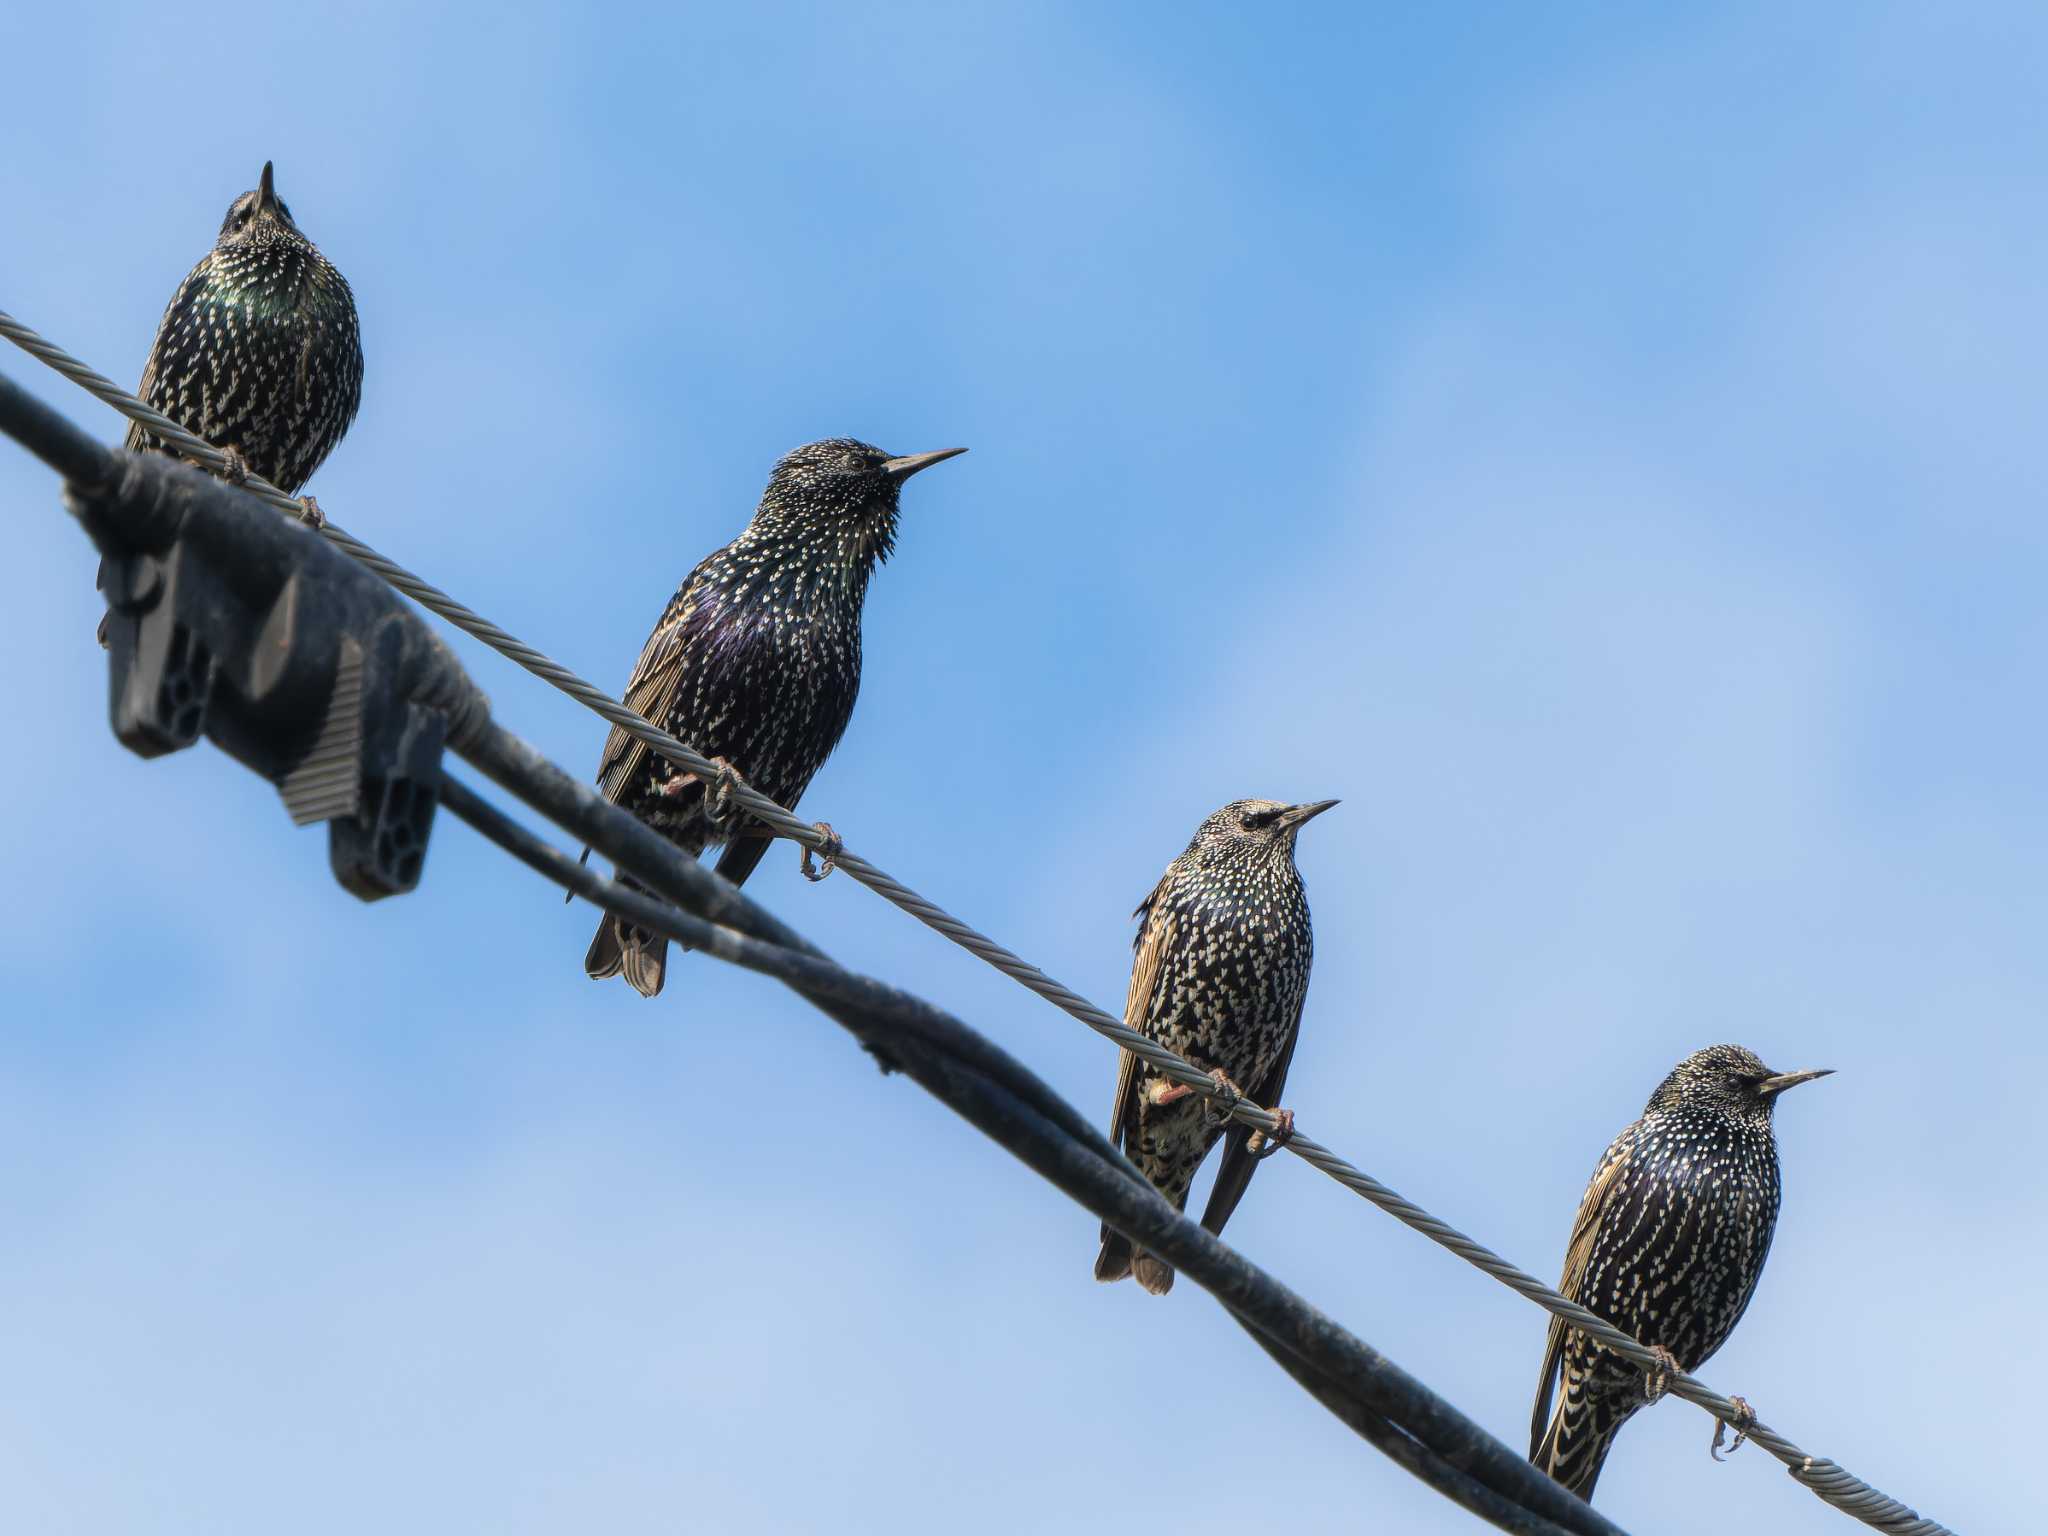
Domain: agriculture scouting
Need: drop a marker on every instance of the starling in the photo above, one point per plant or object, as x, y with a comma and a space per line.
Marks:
756, 664
1221, 969
258, 351
1669, 1244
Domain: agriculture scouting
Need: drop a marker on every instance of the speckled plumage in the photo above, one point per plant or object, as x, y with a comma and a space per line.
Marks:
756, 660
259, 350
1220, 973
1669, 1244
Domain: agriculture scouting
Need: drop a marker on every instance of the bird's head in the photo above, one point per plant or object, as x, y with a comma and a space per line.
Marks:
260, 215
844, 493
1254, 829
1728, 1078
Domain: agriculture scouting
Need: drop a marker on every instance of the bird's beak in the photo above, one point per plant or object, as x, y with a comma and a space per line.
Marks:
1771, 1087
903, 468
266, 192
1295, 815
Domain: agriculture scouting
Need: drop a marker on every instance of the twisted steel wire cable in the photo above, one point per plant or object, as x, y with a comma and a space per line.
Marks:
1824, 1478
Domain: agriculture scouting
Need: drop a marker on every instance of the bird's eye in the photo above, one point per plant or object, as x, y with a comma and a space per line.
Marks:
853, 464
1256, 819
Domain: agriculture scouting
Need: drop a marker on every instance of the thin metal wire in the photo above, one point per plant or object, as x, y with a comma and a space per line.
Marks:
1402, 1417
1825, 1479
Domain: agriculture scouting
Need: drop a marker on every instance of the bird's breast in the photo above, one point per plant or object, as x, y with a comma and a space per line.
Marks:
768, 684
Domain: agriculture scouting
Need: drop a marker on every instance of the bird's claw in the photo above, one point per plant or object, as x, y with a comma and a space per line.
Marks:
311, 515
234, 468
1160, 1093
1742, 1423
1262, 1146
1217, 1110
828, 854
719, 792
1660, 1374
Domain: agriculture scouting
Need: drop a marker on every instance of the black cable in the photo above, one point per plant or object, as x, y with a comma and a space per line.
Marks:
52, 437
1008, 1102
92, 468
861, 999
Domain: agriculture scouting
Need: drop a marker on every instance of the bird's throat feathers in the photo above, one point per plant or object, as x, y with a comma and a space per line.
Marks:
812, 561
279, 278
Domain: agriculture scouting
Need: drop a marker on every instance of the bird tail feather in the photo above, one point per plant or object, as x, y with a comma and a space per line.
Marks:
1153, 1273
1114, 1261
621, 948
1575, 1446
1120, 1257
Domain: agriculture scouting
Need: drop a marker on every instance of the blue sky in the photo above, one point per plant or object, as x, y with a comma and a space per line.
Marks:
1592, 443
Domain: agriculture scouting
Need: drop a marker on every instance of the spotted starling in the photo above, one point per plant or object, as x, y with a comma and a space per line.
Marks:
755, 663
258, 352
1221, 969
1669, 1244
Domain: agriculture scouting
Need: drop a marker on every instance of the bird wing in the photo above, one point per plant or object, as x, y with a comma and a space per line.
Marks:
651, 691
1578, 1254
1155, 934
1235, 1174
137, 439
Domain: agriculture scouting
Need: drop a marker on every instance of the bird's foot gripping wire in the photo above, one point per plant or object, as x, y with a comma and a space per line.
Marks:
828, 854
311, 515
718, 789
1660, 1374
1219, 1108
1163, 1093
718, 794
234, 468
1742, 1423
1262, 1146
